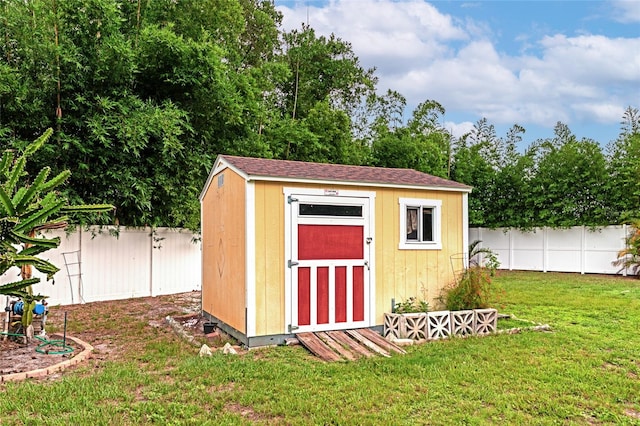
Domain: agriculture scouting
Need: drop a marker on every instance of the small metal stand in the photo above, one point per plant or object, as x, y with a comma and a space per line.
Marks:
74, 269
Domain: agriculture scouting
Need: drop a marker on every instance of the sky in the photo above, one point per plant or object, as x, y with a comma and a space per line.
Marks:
532, 63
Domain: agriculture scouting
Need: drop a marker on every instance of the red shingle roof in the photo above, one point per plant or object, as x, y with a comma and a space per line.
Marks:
260, 167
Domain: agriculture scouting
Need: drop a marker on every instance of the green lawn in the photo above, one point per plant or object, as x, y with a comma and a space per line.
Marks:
587, 371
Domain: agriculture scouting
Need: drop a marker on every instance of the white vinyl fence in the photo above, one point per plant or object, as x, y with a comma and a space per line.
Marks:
577, 249
96, 266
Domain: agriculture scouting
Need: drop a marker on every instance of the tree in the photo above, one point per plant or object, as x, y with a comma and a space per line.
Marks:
624, 169
569, 188
25, 211
473, 168
321, 69
142, 95
422, 144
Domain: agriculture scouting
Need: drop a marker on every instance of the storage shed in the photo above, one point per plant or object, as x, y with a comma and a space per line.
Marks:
290, 246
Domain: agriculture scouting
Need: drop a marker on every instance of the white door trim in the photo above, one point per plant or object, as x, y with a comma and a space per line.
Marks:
367, 198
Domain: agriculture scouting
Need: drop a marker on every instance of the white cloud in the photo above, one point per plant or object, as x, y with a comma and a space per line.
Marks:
425, 54
458, 129
626, 11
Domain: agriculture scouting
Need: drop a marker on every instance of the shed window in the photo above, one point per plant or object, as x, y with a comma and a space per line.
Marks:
420, 224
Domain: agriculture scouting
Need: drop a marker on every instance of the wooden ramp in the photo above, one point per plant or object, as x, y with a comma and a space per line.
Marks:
348, 344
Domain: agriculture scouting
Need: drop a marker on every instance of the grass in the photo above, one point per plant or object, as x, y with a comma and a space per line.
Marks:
587, 371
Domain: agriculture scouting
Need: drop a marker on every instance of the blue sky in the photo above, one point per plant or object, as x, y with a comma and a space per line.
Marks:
533, 63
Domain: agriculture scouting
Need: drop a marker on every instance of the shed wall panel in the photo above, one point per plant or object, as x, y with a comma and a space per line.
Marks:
224, 249
401, 274
270, 262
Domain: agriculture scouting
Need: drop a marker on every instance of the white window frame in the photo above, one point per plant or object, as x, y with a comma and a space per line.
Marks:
436, 205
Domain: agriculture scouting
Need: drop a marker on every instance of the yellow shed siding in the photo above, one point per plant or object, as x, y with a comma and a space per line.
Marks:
401, 274
223, 250
270, 253
269, 249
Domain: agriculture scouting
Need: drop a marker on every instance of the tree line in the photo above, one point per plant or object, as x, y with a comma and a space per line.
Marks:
143, 96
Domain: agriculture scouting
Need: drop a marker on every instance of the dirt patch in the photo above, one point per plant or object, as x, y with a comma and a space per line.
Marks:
17, 357
112, 328
634, 414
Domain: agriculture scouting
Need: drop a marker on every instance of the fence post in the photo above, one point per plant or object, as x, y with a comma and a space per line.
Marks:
510, 249
545, 248
583, 249
624, 245
151, 262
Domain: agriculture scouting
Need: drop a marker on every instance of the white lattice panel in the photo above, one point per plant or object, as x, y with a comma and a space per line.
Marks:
438, 324
486, 321
416, 326
394, 326
463, 323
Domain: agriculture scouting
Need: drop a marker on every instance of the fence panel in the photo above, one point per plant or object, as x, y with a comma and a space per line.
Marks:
577, 249
565, 251
96, 266
602, 248
176, 262
116, 268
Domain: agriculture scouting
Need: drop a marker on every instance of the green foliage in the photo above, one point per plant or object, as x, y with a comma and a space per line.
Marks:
474, 290
421, 145
143, 95
25, 210
629, 257
569, 183
411, 305
624, 169
483, 256
321, 68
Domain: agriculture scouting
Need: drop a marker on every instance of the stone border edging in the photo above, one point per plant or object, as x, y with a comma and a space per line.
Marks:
43, 372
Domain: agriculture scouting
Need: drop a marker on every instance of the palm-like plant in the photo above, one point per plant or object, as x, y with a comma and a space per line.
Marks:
26, 210
629, 257
483, 256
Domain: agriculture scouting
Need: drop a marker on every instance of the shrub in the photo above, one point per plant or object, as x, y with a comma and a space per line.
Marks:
472, 291
411, 305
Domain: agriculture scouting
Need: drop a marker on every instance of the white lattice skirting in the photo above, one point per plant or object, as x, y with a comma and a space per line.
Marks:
440, 324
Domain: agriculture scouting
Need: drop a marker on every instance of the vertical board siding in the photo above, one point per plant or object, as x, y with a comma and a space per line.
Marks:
270, 261
224, 250
105, 267
577, 249
401, 274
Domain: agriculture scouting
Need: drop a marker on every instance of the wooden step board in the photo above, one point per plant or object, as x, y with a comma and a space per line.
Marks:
348, 344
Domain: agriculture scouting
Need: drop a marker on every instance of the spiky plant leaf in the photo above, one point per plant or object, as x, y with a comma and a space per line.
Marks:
41, 265
5, 202
87, 208
10, 288
15, 174
59, 179
39, 217
21, 200
5, 163
37, 144
49, 243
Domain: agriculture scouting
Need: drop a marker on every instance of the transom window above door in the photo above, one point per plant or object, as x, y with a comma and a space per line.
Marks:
341, 210
420, 224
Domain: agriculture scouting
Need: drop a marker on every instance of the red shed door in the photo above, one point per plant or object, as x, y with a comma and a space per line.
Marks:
329, 263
